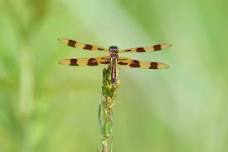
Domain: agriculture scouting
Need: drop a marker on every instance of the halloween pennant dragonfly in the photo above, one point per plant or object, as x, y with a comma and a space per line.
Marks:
113, 60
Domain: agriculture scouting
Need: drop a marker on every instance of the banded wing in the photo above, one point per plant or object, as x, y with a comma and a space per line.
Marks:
156, 47
76, 44
141, 64
85, 61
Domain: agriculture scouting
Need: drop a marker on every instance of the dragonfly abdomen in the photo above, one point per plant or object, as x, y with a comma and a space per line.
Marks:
113, 70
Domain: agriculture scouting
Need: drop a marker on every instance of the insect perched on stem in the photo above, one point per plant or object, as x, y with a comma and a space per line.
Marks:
113, 60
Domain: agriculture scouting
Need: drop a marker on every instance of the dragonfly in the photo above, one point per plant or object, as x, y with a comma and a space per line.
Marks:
113, 60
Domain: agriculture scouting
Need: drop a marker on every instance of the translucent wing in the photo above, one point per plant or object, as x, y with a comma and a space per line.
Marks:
156, 47
141, 64
85, 61
76, 44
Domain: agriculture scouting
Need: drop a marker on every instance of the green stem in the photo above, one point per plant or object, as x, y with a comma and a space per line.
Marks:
26, 100
26, 81
109, 91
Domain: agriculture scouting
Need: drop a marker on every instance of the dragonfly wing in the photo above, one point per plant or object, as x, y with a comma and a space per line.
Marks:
76, 44
85, 61
141, 64
156, 47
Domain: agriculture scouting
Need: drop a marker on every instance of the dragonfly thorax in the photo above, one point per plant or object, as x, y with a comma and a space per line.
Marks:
113, 50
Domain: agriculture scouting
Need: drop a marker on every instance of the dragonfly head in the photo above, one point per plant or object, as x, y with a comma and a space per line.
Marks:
113, 49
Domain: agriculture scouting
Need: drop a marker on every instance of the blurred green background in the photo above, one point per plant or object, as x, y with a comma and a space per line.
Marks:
46, 107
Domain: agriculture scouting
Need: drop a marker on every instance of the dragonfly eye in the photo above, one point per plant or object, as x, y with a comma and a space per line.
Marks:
113, 49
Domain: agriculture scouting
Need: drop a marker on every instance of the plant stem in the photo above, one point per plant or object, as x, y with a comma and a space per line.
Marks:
109, 91
26, 104
26, 96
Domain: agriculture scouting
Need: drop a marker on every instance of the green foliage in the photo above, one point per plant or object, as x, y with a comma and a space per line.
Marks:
109, 92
